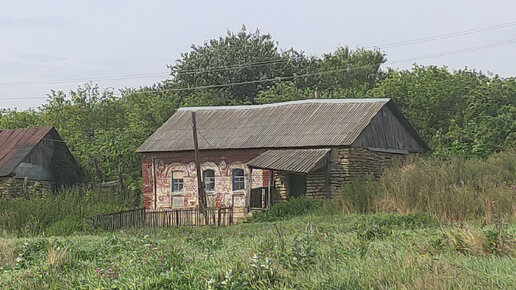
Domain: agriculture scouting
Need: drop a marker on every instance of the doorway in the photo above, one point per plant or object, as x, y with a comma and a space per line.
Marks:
296, 184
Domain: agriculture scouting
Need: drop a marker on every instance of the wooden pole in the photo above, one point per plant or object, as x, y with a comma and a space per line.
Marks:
328, 176
249, 188
200, 185
269, 195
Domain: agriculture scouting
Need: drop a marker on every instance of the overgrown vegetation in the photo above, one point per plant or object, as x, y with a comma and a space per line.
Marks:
317, 252
63, 213
451, 189
297, 206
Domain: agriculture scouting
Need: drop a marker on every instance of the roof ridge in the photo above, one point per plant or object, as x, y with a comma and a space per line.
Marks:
297, 102
37, 127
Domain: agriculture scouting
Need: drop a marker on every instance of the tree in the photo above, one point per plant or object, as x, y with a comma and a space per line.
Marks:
235, 68
461, 112
350, 70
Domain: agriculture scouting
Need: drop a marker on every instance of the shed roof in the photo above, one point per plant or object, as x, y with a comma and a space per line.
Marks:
16, 144
306, 123
292, 160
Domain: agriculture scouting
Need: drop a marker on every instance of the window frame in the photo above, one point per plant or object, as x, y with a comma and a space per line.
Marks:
180, 182
212, 179
234, 181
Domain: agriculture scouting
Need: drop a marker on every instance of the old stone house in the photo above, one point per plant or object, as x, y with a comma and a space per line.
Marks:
308, 147
34, 155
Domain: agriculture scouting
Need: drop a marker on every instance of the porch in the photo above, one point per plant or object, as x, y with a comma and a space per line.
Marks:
291, 173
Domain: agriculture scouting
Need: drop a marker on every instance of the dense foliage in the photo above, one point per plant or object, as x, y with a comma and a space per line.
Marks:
460, 112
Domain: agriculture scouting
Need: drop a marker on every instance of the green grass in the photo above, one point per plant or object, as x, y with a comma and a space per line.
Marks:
404, 231
333, 251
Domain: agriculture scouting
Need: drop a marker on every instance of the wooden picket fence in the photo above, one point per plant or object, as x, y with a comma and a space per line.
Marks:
165, 218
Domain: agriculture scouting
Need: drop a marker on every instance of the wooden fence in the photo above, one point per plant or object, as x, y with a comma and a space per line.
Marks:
165, 218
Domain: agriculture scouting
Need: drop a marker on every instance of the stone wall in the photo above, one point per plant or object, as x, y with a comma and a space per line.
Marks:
279, 191
348, 164
18, 187
316, 184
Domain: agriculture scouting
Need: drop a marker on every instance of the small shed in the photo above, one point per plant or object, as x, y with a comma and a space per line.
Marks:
34, 155
252, 156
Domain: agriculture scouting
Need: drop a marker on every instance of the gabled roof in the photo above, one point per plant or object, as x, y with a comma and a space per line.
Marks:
16, 144
297, 124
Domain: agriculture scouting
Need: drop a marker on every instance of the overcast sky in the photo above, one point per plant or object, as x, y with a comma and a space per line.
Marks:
59, 45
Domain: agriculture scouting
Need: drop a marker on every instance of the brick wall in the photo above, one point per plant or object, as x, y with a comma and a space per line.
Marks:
159, 196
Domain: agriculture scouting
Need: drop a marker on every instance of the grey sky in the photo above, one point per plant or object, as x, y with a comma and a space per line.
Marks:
58, 41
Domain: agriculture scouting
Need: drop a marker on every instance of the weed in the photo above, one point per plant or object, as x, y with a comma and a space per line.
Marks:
31, 252
373, 232
297, 206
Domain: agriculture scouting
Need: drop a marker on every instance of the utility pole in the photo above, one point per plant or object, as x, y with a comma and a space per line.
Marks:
200, 184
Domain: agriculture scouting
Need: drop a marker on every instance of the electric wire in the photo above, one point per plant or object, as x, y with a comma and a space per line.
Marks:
273, 61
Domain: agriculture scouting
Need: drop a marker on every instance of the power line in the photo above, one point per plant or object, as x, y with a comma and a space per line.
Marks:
221, 68
122, 77
261, 63
273, 61
282, 78
444, 36
462, 50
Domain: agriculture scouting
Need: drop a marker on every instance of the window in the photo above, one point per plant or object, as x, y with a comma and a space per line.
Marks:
238, 179
177, 181
208, 176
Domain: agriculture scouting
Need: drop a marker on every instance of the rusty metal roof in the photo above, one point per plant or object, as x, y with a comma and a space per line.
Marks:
307, 123
292, 160
16, 144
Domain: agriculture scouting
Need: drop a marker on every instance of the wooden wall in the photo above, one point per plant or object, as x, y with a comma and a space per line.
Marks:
386, 131
50, 161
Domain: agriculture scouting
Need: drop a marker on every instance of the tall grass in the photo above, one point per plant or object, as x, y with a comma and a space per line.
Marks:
383, 251
62, 213
448, 189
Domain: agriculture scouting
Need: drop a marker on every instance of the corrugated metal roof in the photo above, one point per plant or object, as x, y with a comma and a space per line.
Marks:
308, 123
16, 144
292, 160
